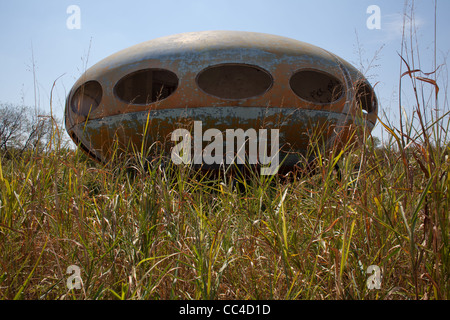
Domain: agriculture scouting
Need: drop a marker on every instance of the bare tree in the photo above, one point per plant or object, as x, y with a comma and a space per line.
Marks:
22, 128
11, 125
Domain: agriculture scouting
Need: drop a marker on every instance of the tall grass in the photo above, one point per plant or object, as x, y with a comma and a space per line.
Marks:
145, 231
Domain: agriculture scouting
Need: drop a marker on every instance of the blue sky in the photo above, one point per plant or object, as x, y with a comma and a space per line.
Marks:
109, 26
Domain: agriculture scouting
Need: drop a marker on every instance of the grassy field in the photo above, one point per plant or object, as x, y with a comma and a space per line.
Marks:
140, 231
137, 230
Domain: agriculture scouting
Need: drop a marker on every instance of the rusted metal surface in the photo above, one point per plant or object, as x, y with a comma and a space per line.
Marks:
271, 104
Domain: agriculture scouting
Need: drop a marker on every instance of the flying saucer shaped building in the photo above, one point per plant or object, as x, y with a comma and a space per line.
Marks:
225, 79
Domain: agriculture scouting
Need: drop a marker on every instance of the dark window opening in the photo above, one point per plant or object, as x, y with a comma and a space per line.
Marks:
316, 86
234, 81
86, 98
146, 86
365, 97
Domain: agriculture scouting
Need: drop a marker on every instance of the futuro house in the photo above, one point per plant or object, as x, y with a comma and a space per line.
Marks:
226, 79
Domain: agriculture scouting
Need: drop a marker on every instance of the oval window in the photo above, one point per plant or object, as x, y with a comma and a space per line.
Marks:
316, 86
365, 97
234, 81
146, 86
86, 98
